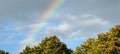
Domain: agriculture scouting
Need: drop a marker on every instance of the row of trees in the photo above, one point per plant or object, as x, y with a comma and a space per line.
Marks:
106, 43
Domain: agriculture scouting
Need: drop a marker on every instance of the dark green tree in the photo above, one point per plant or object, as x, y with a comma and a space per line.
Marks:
3, 52
51, 45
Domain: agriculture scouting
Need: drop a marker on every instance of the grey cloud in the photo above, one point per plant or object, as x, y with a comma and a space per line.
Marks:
16, 6
17, 11
106, 9
4, 28
89, 5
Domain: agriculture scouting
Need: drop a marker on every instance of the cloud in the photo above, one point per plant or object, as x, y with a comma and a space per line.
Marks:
27, 27
76, 19
35, 27
61, 28
22, 11
9, 34
105, 9
5, 39
76, 26
4, 27
92, 20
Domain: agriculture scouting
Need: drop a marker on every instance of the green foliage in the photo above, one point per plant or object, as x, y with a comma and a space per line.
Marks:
51, 45
106, 43
3, 52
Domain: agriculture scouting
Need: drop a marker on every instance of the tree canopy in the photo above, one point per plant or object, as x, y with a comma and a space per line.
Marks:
106, 43
51, 45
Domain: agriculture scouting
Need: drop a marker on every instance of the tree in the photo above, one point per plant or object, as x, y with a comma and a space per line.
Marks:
3, 52
106, 43
51, 45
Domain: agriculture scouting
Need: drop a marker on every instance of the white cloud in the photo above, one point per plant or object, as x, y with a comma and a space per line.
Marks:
78, 25
7, 38
6, 42
93, 21
71, 17
31, 27
75, 35
63, 27
59, 28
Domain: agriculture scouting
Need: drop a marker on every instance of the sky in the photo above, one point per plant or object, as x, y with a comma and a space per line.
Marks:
73, 21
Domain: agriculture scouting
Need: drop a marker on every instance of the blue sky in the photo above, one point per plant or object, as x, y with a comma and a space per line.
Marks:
73, 23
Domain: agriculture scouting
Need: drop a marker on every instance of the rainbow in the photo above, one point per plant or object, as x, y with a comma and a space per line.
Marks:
52, 9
